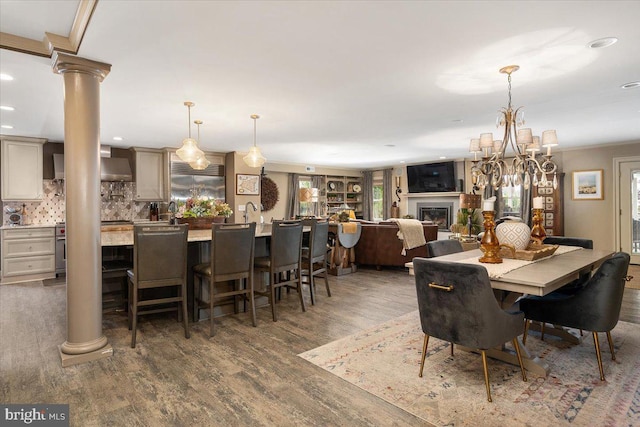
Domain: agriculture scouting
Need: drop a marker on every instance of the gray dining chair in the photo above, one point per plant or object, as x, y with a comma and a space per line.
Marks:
444, 247
284, 262
158, 280
230, 266
457, 304
314, 257
595, 307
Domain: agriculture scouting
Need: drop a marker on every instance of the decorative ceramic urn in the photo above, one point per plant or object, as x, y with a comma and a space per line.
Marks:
514, 233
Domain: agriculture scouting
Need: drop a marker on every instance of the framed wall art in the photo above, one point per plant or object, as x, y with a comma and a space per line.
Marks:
587, 185
247, 185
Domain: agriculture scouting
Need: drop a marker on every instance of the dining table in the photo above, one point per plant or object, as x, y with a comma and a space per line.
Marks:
514, 278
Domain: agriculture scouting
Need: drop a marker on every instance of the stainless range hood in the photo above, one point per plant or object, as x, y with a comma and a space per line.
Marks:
111, 168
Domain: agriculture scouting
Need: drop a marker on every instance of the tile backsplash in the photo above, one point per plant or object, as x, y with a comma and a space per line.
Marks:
117, 204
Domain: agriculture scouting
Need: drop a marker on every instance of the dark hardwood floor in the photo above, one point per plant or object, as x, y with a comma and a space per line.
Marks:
243, 376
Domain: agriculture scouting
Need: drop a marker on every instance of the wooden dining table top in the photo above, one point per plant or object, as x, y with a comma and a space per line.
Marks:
545, 275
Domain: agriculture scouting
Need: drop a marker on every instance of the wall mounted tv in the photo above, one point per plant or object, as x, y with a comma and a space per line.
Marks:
431, 177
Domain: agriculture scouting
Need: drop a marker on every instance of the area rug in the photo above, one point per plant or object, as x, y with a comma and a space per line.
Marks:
385, 361
634, 273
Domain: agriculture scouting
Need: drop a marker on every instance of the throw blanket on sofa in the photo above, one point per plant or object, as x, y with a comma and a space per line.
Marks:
410, 233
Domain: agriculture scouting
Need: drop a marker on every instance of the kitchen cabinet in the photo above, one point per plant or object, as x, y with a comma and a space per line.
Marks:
344, 189
22, 169
28, 253
150, 172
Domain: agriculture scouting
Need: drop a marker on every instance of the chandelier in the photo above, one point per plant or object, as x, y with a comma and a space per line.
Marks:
254, 158
526, 168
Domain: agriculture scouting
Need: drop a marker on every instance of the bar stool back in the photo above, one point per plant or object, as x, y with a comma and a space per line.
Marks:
314, 257
159, 261
232, 252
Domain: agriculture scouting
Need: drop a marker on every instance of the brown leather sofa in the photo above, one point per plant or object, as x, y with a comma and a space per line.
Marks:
379, 245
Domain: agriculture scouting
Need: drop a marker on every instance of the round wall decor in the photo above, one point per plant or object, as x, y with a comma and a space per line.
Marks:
269, 193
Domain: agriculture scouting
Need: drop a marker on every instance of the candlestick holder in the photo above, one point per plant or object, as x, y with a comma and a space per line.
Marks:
537, 231
489, 243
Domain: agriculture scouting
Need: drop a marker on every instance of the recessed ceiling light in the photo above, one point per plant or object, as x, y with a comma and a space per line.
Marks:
443, 157
118, 138
457, 121
604, 42
6, 127
630, 85
6, 108
402, 161
6, 77
389, 145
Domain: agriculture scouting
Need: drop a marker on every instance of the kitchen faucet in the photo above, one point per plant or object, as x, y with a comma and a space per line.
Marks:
246, 211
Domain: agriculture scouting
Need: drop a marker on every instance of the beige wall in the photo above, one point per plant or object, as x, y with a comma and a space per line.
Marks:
593, 219
235, 165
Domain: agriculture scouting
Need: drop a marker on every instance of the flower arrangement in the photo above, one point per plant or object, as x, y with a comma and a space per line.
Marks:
199, 207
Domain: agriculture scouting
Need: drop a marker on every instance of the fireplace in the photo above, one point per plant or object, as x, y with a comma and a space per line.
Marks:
440, 213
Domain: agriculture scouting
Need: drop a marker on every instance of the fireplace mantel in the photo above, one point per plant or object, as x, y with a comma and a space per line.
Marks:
455, 194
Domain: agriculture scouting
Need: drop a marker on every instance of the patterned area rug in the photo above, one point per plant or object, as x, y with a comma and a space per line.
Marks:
385, 361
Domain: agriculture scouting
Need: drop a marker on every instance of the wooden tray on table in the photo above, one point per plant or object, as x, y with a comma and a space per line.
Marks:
532, 253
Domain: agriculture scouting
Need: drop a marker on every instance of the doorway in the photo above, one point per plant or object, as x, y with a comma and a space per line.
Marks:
628, 206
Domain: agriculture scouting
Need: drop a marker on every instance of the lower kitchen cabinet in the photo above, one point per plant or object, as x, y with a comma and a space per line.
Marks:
28, 253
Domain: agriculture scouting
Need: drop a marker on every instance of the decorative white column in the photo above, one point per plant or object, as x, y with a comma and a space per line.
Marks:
85, 340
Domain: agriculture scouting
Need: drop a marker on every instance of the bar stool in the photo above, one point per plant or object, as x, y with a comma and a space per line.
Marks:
159, 263
283, 260
314, 257
232, 252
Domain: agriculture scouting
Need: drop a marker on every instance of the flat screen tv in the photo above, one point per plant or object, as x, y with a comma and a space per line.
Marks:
431, 177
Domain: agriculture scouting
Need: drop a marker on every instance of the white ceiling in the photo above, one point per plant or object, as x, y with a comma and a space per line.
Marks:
359, 84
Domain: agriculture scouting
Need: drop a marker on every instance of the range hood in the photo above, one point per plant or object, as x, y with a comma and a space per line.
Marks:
111, 168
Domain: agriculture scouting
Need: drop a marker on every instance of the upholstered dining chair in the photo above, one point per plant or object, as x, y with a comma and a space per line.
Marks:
595, 307
444, 247
159, 264
284, 262
443, 289
232, 257
314, 257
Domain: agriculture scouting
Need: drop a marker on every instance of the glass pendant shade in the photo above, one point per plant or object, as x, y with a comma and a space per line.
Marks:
200, 164
189, 152
254, 158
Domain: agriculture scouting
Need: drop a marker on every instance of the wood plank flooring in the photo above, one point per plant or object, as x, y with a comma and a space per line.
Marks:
244, 376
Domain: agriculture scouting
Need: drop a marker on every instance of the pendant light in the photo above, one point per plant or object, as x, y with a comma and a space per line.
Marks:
201, 163
189, 152
254, 158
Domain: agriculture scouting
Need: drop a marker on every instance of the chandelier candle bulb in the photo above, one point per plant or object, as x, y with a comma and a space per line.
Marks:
538, 202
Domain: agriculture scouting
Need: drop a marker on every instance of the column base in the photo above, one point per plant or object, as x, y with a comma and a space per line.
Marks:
76, 359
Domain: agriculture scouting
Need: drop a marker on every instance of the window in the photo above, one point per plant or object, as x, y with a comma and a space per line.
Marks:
378, 207
306, 208
512, 201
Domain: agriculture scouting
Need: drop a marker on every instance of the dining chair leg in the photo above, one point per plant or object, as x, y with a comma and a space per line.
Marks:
134, 315
486, 374
613, 354
326, 279
424, 353
542, 331
197, 282
272, 296
526, 331
598, 355
517, 347
185, 310
252, 301
129, 290
312, 285
211, 300
451, 348
304, 308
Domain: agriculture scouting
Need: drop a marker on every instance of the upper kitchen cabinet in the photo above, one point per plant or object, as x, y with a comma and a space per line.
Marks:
150, 172
21, 168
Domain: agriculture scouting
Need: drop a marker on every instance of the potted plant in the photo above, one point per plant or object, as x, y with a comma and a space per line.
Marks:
200, 212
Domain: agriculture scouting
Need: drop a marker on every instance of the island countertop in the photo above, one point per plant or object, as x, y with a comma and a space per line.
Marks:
123, 235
